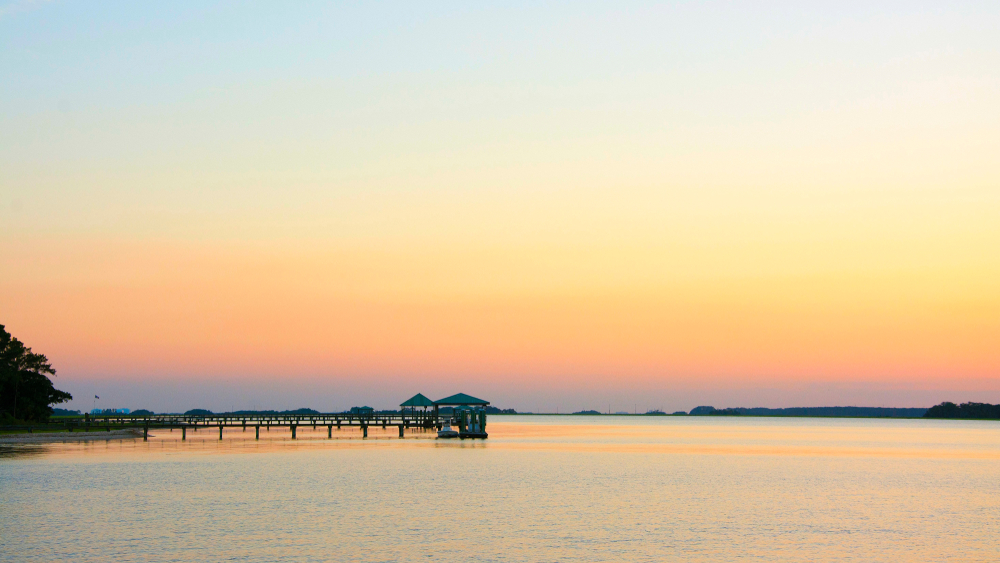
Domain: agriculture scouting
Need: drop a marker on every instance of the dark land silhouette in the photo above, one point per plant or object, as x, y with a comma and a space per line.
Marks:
869, 412
206, 412
27, 395
26, 392
981, 411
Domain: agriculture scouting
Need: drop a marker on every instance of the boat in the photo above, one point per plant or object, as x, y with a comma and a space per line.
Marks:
447, 432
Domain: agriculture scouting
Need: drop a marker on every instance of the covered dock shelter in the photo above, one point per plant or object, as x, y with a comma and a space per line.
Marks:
472, 419
418, 401
459, 400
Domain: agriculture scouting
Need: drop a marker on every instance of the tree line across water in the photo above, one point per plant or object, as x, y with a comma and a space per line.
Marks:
983, 411
301, 412
965, 410
27, 395
865, 412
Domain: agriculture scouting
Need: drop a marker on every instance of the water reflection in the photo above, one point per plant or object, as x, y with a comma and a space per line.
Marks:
670, 435
540, 489
22, 451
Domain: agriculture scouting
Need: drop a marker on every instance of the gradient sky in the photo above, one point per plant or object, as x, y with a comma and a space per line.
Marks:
570, 205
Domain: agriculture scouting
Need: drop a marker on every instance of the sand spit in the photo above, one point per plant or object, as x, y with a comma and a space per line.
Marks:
44, 437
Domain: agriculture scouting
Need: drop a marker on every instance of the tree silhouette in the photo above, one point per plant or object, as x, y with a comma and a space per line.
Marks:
26, 392
965, 410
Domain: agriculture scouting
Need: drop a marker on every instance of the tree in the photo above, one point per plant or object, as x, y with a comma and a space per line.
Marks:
946, 409
965, 410
26, 392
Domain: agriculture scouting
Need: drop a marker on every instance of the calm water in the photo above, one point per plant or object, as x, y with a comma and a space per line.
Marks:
540, 489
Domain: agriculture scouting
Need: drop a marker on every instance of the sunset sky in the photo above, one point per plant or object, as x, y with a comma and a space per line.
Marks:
569, 206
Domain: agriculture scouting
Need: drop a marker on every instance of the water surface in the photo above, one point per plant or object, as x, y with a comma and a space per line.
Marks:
539, 489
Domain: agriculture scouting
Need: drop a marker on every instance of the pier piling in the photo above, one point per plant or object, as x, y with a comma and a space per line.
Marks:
401, 421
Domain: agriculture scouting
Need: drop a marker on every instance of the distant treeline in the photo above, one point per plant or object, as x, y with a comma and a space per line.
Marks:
965, 410
303, 411
206, 412
814, 411
654, 412
489, 410
944, 410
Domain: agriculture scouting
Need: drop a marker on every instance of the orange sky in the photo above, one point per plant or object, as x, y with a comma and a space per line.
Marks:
180, 312
652, 206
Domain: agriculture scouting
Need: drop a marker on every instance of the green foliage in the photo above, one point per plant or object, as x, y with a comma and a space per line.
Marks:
965, 410
26, 392
946, 409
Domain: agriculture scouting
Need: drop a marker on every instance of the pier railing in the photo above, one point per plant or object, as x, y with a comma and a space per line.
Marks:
256, 421
349, 419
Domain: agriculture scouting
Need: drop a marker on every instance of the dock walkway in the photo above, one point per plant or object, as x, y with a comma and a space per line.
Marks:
255, 421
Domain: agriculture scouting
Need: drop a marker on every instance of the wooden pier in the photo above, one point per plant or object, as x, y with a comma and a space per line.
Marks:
471, 421
255, 422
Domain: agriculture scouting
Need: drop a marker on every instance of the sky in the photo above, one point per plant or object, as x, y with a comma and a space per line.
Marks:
554, 206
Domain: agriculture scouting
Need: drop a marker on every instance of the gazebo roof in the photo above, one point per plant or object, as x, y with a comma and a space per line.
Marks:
418, 400
460, 399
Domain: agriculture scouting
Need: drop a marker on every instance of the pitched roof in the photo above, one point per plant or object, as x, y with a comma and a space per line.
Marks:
417, 400
460, 399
